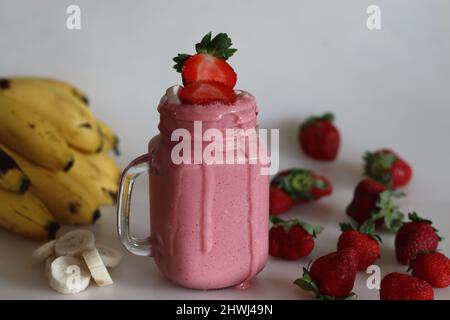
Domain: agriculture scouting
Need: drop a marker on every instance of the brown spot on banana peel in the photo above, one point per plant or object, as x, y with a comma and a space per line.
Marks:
100, 147
81, 96
69, 165
74, 207
85, 126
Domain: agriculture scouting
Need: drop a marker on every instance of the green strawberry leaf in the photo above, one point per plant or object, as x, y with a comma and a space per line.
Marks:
297, 184
219, 46
414, 217
388, 211
307, 283
368, 227
179, 60
377, 165
288, 224
328, 116
319, 184
275, 220
312, 230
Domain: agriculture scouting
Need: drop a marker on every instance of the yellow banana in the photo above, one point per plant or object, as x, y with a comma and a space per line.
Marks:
26, 215
12, 177
106, 164
54, 84
75, 122
32, 136
66, 199
110, 139
95, 181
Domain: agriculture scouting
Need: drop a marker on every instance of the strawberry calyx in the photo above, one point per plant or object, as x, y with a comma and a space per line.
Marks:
179, 60
367, 227
219, 47
307, 283
388, 211
298, 183
288, 224
414, 217
377, 165
326, 117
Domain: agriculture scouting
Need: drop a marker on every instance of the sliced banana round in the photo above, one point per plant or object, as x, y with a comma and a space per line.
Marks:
69, 275
97, 268
110, 257
44, 251
74, 243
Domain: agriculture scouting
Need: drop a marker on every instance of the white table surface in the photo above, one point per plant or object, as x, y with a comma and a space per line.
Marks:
388, 88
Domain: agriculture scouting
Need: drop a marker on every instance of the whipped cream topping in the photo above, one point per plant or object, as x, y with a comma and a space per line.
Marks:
172, 94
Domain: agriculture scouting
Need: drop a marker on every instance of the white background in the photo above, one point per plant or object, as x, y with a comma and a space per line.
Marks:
388, 88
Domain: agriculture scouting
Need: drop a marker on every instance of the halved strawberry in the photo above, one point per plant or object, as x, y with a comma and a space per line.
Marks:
209, 63
203, 66
207, 92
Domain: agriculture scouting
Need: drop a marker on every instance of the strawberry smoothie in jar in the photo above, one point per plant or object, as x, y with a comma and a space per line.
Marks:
209, 187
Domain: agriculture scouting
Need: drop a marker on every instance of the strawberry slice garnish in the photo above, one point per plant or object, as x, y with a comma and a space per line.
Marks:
207, 92
209, 64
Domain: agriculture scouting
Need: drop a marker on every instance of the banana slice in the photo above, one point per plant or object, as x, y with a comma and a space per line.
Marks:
97, 268
74, 243
110, 257
69, 275
44, 251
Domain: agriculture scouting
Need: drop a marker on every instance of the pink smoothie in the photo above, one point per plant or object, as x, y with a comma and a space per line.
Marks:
209, 223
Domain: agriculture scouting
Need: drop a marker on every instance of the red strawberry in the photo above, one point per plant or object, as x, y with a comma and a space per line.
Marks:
207, 92
302, 185
362, 239
398, 286
209, 63
319, 138
433, 267
386, 167
331, 276
371, 200
413, 237
291, 239
279, 201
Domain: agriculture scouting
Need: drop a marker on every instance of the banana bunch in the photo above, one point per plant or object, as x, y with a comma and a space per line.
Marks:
55, 166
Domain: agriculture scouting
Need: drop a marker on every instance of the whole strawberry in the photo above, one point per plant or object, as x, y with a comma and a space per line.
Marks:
398, 286
331, 276
371, 200
300, 186
319, 138
291, 239
362, 239
386, 167
433, 267
415, 236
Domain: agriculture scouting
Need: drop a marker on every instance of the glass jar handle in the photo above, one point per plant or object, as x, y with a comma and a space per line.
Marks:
139, 247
